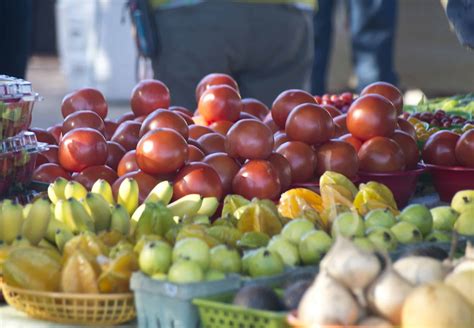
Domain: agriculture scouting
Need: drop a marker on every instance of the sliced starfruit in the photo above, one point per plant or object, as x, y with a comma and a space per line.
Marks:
80, 273
258, 217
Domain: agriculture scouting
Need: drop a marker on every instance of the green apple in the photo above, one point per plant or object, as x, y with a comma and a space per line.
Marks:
155, 257
212, 275
295, 229
364, 244
444, 218
265, 263
192, 249
439, 236
420, 216
407, 233
465, 223
159, 276
349, 225
184, 272
287, 250
247, 257
225, 259
380, 218
313, 245
383, 238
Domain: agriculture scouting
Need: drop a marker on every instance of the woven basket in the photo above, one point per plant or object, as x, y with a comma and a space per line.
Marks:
84, 309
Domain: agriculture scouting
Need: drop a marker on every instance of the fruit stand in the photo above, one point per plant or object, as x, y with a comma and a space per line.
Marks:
321, 211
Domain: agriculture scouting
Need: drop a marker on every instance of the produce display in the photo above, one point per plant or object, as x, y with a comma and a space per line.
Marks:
264, 197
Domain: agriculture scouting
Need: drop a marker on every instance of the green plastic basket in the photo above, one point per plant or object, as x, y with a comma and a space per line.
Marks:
217, 312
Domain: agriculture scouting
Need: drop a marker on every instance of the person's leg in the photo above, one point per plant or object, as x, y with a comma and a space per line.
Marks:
279, 51
193, 43
373, 25
322, 24
15, 36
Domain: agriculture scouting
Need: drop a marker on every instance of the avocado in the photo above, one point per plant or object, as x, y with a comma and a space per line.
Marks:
258, 297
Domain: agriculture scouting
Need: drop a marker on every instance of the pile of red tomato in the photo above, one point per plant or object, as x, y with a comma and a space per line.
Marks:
230, 145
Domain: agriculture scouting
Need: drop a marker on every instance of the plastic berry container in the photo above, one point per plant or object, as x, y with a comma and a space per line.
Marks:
16, 106
17, 161
448, 180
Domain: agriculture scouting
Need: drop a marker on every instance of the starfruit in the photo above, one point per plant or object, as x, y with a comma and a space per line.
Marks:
228, 220
225, 235
349, 190
87, 242
4, 251
253, 240
374, 195
80, 274
232, 203
301, 203
110, 238
116, 278
258, 216
330, 213
33, 268
197, 231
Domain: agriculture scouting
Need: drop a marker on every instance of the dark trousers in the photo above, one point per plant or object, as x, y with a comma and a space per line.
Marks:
15, 36
372, 28
267, 48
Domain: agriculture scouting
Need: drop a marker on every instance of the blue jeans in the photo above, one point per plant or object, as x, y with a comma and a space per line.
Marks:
372, 26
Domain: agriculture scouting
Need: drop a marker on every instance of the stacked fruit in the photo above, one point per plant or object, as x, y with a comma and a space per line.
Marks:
342, 101
418, 290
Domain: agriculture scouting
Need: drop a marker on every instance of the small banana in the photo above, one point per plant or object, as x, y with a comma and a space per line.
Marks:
128, 195
56, 190
187, 205
146, 221
53, 226
104, 188
59, 210
20, 241
138, 212
61, 237
209, 206
11, 220
76, 217
120, 220
162, 192
36, 223
75, 190
99, 210
26, 209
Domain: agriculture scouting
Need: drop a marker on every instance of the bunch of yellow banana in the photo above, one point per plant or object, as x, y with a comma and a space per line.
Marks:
373, 195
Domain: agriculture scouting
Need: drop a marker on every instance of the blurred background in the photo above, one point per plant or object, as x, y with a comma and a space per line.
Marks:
88, 43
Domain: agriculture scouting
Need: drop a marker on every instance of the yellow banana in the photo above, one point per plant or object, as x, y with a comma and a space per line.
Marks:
26, 209
61, 237
36, 223
120, 220
138, 212
99, 210
187, 205
104, 188
209, 206
146, 221
75, 190
53, 226
59, 210
128, 194
162, 192
76, 217
11, 220
56, 190
20, 241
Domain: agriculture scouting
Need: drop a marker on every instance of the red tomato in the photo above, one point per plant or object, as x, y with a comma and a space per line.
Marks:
56, 132
163, 118
109, 129
371, 116
301, 158
280, 138
337, 156
214, 79
195, 131
48, 156
128, 163
407, 127
465, 149
81, 148
186, 117
161, 151
199, 120
83, 119
285, 102
221, 127
409, 148
195, 154
84, 99
115, 154
381, 154
145, 183
283, 169
388, 91
149, 95
49, 172
270, 123
255, 107
440, 149
197, 178
309, 123
43, 136
342, 122
127, 134
333, 111
257, 178
128, 116
249, 139
225, 166
349, 138
212, 143
246, 116
182, 110
91, 174
220, 103
140, 119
